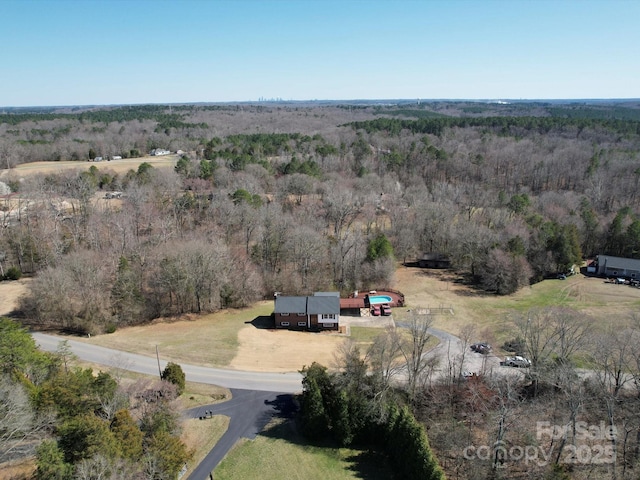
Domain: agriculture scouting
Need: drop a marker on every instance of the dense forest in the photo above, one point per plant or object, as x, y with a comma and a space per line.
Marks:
292, 198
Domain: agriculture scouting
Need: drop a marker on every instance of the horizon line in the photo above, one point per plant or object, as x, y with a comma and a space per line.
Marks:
498, 100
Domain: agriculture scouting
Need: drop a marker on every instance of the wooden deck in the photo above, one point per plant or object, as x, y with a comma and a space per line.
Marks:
397, 299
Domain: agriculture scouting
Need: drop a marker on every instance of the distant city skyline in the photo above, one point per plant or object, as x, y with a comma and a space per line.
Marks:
105, 52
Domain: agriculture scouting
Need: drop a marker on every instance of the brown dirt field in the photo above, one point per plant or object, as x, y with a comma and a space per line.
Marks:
23, 468
10, 293
436, 289
283, 351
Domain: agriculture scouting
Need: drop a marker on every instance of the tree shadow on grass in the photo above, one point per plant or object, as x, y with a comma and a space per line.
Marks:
264, 322
370, 464
366, 463
283, 408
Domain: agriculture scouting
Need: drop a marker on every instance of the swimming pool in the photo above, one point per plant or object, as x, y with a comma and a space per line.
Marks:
376, 299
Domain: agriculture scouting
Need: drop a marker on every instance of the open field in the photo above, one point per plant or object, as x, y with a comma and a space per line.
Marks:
10, 292
118, 166
490, 314
229, 338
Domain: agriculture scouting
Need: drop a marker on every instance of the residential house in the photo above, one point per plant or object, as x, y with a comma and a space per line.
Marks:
159, 151
434, 260
321, 311
609, 266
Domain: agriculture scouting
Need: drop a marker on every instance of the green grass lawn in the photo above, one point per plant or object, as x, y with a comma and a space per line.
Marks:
281, 453
493, 315
364, 336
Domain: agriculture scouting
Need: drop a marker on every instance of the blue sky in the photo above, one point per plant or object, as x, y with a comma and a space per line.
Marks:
87, 52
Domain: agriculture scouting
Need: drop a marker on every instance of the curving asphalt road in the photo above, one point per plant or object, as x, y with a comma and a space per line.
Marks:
263, 381
450, 346
249, 411
257, 397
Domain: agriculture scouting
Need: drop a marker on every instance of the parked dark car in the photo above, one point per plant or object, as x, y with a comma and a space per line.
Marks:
375, 310
482, 347
386, 309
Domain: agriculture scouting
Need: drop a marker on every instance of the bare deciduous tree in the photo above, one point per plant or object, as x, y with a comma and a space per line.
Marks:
550, 332
19, 423
414, 347
385, 358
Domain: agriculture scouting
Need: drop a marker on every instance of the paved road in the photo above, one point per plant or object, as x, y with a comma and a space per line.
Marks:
262, 381
450, 347
257, 397
249, 412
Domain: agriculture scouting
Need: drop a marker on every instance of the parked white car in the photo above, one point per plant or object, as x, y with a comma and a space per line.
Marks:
517, 361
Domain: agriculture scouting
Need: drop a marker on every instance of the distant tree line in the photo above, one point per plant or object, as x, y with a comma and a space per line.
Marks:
505, 125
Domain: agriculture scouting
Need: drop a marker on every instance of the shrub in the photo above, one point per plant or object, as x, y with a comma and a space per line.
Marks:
173, 373
13, 273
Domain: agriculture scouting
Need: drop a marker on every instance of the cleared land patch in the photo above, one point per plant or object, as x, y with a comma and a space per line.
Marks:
490, 313
118, 166
264, 350
10, 293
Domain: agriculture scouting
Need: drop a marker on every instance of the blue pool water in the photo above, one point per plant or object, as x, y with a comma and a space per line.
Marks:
374, 299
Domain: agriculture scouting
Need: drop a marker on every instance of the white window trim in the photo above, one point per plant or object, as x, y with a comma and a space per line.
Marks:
284, 324
302, 324
284, 314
